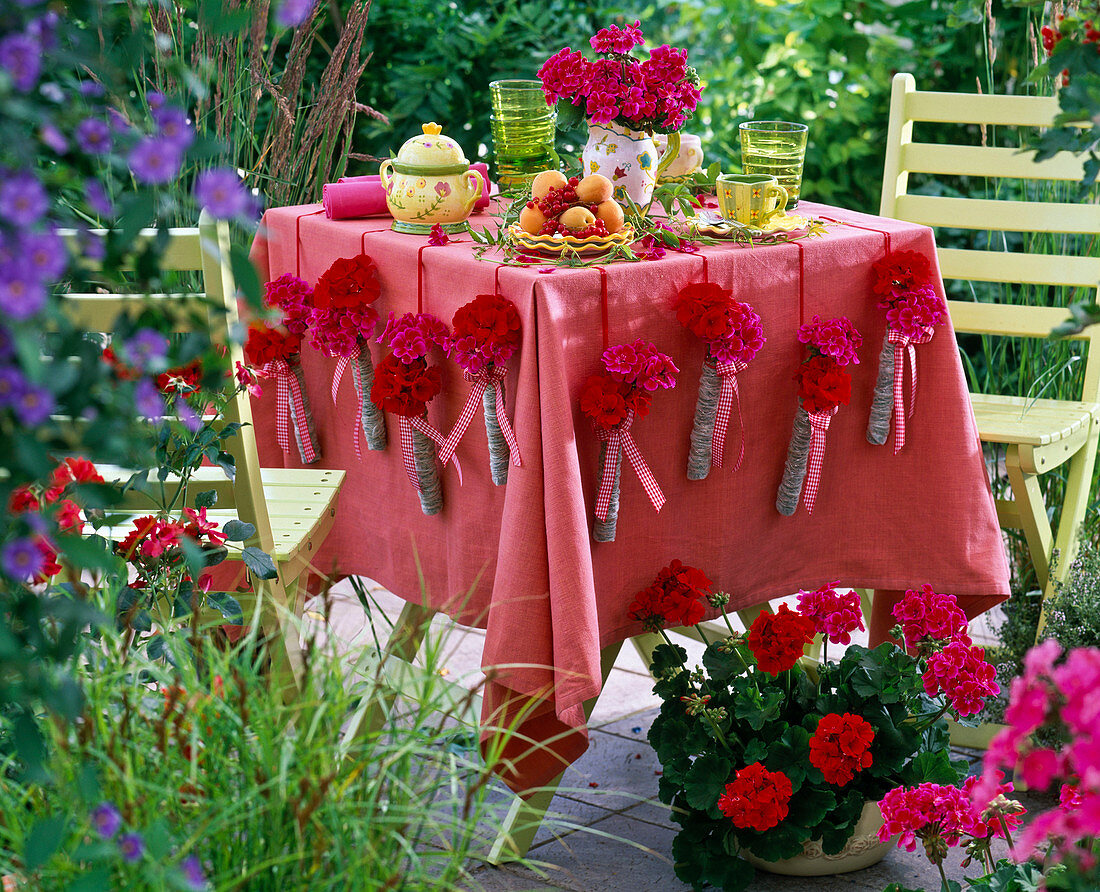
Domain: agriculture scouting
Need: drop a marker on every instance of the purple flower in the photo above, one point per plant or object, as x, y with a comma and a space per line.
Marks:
97, 199
94, 136
291, 13
154, 160
45, 253
155, 100
174, 127
92, 247
119, 124
188, 417
12, 384
90, 88
21, 559
7, 346
44, 29
145, 346
148, 401
192, 873
22, 293
53, 138
23, 201
132, 847
34, 405
106, 820
220, 192
20, 55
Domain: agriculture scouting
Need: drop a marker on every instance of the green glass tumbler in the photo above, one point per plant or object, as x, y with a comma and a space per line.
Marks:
776, 148
523, 133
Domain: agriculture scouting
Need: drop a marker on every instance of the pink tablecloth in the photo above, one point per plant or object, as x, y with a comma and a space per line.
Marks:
519, 561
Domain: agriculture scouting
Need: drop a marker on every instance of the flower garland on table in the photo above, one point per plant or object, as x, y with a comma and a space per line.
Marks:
342, 321
612, 399
404, 383
276, 352
485, 334
823, 385
734, 334
903, 281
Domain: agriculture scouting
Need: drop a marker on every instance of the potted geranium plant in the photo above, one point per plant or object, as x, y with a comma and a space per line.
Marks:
769, 756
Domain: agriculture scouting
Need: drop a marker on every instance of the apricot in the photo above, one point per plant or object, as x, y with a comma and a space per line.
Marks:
531, 220
577, 218
594, 189
611, 212
545, 181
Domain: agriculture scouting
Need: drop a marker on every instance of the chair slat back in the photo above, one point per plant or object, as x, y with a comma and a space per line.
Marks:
1057, 219
203, 249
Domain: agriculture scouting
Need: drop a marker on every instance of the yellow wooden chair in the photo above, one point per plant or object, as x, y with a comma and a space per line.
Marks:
1039, 435
292, 510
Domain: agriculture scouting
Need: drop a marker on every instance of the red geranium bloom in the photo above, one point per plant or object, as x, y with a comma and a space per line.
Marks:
50, 566
899, 273
674, 599
22, 499
841, 746
122, 371
777, 640
68, 516
265, 344
822, 384
491, 320
405, 388
142, 527
350, 282
82, 470
603, 401
703, 309
757, 799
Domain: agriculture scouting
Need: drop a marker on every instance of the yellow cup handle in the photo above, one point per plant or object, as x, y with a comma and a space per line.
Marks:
672, 149
781, 204
385, 174
476, 185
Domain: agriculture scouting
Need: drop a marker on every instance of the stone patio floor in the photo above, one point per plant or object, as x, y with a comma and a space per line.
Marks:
606, 829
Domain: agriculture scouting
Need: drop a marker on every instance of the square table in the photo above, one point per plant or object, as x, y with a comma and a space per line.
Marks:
519, 560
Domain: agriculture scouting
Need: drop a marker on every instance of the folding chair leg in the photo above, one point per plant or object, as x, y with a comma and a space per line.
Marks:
526, 814
645, 644
1033, 515
284, 648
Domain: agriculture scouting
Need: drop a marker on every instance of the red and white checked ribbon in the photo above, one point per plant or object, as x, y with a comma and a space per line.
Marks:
819, 423
287, 388
728, 396
905, 344
491, 377
337, 377
618, 438
406, 424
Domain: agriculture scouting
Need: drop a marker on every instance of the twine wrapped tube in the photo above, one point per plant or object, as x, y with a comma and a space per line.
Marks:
430, 492
882, 404
308, 429
702, 428
794, 471
604, 530
499, 457
373, 419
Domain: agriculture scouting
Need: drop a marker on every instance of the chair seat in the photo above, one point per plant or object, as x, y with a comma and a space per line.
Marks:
1029, 422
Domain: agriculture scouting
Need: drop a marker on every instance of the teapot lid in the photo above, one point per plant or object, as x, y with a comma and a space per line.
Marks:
431, 154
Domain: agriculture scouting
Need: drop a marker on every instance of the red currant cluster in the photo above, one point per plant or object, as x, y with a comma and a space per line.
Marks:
557, 199
1051, 37
553, 227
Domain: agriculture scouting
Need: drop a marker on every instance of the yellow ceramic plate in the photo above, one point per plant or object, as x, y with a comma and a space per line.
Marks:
555, 245
710, 223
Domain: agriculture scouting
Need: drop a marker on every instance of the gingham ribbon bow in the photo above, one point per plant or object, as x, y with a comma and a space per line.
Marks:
819, 423
491, 377
618, 439
406, 424
903, 344
728, 397
287, 388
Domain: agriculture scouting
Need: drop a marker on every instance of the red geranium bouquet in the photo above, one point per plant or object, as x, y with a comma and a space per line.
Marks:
404, 383
767, 754
485, 334
734, 334
903, 284
823, 386
342, 320
612, 399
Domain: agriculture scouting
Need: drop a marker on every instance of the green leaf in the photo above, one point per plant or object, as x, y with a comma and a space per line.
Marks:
810, 805
667, 659
238, 531
721, 663
158, 840
227, 606
259, 563
96, 880
790, 754
43, 840
90, 553
706, 781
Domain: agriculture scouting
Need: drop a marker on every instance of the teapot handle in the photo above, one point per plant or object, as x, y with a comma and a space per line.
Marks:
385, 174
476, 182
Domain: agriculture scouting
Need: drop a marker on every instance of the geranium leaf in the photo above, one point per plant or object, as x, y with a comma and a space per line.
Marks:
932, 767
809, 805
706, 780
667, 659
722, 664
790, 754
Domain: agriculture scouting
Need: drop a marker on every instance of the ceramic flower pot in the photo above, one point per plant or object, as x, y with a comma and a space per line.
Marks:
430, 182
862, 850
628, 158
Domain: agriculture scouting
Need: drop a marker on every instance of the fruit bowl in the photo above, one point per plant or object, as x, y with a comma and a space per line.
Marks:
556, 245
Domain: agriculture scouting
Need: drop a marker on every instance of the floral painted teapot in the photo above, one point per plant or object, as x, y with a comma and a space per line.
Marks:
430, 182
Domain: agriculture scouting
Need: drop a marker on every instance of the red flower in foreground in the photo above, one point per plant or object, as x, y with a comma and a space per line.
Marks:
265, 344
494, 324
182, 379
777, 640
405, 388
703, 308
841, 747
822, 384
350, 282
757, 799
900, 272
674, 599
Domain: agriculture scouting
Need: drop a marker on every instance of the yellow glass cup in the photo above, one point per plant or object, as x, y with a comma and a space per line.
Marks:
778, 149
751, 200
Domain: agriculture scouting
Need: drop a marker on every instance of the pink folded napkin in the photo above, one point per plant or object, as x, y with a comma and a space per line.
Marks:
364, 196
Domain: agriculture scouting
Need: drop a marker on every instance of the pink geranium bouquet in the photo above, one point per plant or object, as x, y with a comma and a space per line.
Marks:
658, 94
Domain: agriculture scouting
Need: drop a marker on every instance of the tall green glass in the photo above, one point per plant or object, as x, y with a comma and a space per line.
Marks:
523, 133
776, 148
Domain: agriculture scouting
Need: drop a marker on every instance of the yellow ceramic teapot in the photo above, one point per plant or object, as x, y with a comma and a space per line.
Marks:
430, 182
